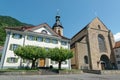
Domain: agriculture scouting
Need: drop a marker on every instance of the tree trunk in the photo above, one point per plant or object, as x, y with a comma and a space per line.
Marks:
33, 64
59, 65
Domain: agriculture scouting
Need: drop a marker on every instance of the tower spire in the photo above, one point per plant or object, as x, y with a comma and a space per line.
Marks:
57, 27
57, 23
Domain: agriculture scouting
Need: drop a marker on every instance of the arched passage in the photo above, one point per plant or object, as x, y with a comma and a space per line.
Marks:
105, 62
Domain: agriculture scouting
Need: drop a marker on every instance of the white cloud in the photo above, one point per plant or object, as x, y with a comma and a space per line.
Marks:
117, 36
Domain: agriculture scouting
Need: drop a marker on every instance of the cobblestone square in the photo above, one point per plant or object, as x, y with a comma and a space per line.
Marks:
84, 76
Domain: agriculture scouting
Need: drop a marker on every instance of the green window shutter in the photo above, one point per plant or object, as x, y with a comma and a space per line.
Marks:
20, 36
8, 60
16, 60
13, 35
43, 39
51, 40
11, 47
27, 36
35, 38
24, 61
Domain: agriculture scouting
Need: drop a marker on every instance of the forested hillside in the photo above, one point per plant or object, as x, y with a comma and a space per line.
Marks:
7, 21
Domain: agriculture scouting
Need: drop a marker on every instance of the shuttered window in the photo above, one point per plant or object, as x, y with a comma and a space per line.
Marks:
14, 46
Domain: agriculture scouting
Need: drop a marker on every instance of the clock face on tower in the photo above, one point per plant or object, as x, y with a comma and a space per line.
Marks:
44, 31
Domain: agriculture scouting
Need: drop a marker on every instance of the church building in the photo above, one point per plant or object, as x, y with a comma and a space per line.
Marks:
42, 36
93, 47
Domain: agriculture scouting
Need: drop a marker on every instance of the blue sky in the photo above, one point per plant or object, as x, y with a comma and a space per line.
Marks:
75, 14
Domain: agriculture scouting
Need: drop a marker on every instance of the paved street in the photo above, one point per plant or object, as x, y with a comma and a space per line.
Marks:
84, 76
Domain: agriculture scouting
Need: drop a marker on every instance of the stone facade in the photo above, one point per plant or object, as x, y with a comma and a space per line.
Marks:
92, 47
117, 54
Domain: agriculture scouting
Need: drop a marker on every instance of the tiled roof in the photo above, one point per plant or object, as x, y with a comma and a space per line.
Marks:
20, 28
117, 44
65, 38
29, 28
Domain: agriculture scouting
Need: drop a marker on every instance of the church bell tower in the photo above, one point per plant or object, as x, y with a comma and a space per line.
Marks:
57, 27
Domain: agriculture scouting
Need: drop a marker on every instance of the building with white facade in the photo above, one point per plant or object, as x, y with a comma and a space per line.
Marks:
42, 36
117, 54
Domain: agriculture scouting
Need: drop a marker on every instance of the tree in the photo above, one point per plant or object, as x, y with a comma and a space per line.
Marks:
59, 55
31, 53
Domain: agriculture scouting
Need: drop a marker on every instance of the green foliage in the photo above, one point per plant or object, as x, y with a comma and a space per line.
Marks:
31, 53
60, 55
18, 70
7, 21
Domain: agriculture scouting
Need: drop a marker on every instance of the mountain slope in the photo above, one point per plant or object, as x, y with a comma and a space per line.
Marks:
7, 21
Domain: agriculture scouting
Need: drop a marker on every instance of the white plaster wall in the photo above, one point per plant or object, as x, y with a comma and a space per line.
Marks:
10, 53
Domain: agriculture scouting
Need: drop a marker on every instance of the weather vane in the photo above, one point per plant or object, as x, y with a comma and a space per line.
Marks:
58, 11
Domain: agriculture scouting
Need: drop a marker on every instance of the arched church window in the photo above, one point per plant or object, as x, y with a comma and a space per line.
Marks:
101, 41
86, 59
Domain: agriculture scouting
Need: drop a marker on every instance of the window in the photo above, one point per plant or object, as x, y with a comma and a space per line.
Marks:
86, 59
12, 60
14, 46
40, 39
59, 32
54, 41
116, 50
118, 62
17, 36
64, 62
117, 56
54, 62
30, 37
99, 27
44, 31
101, 41
47, 40
63, 43
24, 60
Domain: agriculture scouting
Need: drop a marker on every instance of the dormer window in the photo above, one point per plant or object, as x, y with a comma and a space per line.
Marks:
44, 32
